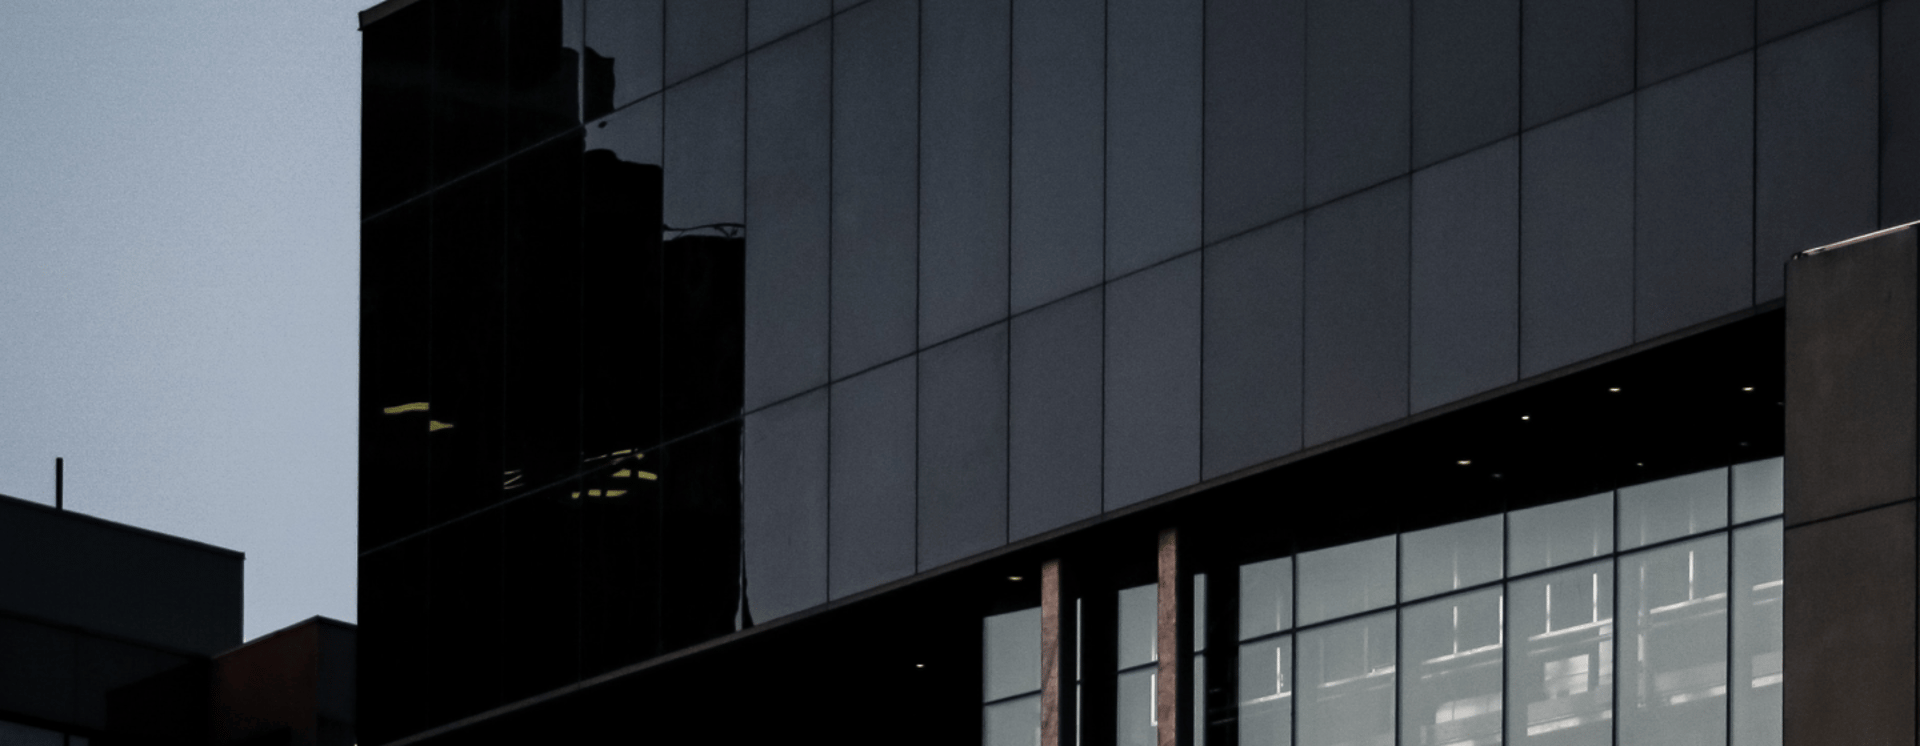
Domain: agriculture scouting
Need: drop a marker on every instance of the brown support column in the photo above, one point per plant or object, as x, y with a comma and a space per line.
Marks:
1058, 647
1173, 645
1852, 349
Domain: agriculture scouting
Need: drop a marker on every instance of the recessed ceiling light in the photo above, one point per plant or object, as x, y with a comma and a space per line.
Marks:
1463, 462
1526, 417
1615, 389
919, 665
1014, 578
1749, 388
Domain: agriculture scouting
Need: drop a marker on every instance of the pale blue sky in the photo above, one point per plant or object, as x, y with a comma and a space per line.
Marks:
179, 307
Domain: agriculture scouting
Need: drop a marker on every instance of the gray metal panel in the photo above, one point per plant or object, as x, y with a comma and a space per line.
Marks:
788, 95
875, 182
1574, 54
1693, 207
703, 33
1054, 427
1255, 112
770, 19
1899, 112
1782, 17
1466, 75
784, 515
1466, 275
628, 36
1153, 131
1358, 129
38, 678
1817, 132
1153, 382
964, 141
1849, 628
1576, 238
963, 447
1675, 37
1253, 300
1059, 151
705, 149
1356, 313
871, 479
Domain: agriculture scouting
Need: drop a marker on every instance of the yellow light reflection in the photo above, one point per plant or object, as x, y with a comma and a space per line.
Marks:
647, 475
616, 493
418, 406
434, 426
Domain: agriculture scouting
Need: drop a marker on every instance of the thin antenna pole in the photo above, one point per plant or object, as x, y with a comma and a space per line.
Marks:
59, 483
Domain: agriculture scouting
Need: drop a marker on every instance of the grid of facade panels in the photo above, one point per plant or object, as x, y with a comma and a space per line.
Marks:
736, 308
1645, 615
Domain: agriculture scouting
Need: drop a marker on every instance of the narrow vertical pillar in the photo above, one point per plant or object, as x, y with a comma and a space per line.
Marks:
1173, 645
1852, 352
59, 483
1058, 649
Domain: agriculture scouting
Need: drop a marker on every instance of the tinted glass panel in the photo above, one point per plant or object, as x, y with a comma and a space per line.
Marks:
1466, 275
1013, 654
703, 33
1059, 93
1356, 313
1153, 382
770, 19
1672, 508
1557, 534
622, 527
1255, 95
1576, 238
1758, 634
1266, 597
1153, 131
543, 69
1266, 692
1574, 53
1136, 725
963, 166
875, 152
1137, 628
1253, 298
1758, 489
1451, 557
395, 389
1015, 722
542, 399
1347, 682
786, 203
469, 99
1055, 422
1357, 94
1677, 37
464, 417
872, 479
786, 507
395, 139
1673, 670
1346, 579
963, 447
1451, 681
1560, 670
1466, 75
700, 537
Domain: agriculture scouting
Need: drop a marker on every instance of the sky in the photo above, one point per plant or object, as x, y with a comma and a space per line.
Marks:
179, 300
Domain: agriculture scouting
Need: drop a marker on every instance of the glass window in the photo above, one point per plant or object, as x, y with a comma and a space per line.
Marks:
1266, 692
1346, 579
1759, 489
1672, 508
1136, 724
1137, 622
1451, 557
1673, 670
1013, 653
1266, 597
1346, 675
1758, 581
1451, 686
1015, 722
1560, 679
1558, 534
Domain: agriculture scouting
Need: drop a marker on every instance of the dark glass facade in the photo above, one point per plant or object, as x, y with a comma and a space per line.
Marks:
687, 320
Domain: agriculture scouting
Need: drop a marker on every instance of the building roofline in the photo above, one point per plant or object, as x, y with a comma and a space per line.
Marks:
201, 545
382, 10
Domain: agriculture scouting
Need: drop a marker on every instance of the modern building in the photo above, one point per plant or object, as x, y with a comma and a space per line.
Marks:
112, 634
1139, 371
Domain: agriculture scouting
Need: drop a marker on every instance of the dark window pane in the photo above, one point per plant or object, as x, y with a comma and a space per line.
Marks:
1466, 75
1253, 299
541, 388
542, 575
1818, 125
1153, 131
1576, 245
464, 615
1694, 198
703, 260
624, 53
785, 511
469, 102
703, 33
396, 137
875, 137
624, 538
1059, 89
872, 479
1574, 54
395, 386
700, 537
1466, 275
963, 166
394, 592
1677, 37
1255, 102
467, 288
1899, 113
543, 69
1356, 323
788, 102
1153, 382
963, 447
1357, 94
1054, 430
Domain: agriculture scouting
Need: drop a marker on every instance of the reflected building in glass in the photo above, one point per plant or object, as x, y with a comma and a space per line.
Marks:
1318, 372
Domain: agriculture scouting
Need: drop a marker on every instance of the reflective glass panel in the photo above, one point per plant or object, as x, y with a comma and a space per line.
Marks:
14, 734
1135, 723
1451, 557
1673, 670
1266, 597
1560, 674
1015, 722
1346, 579
1759, 489
1758, 581
1137, 617
1266, 692
1558, 534
1012, 653
1672, 508
1451, 682
1346, 675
